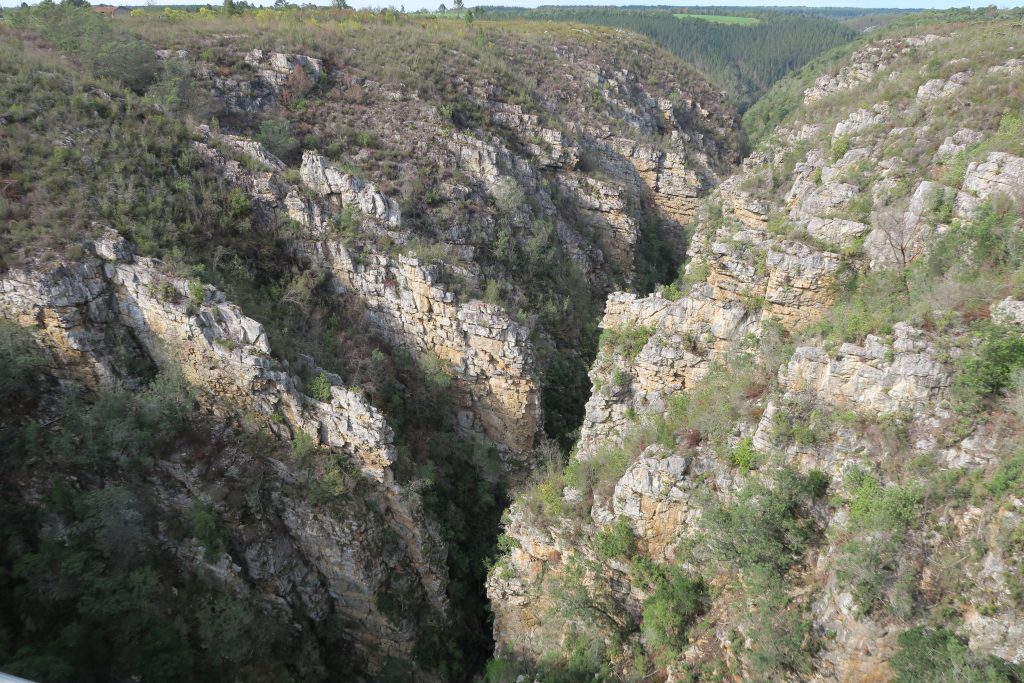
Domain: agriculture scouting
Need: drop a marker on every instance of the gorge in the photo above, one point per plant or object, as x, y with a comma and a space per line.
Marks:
355, 345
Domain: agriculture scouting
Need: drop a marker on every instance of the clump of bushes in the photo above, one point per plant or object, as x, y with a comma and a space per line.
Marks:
762, 533
616, 541
21, 361
840, 146
628, 341
205, 527
675, 602
109, 51
991, 368
939, 656
970, 264
319, 388
769, 524
196, 293
689, 276
875, 564
798, 421
276, 135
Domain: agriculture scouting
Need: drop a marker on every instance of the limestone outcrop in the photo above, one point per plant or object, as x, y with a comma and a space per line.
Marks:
78, 309
751, 277
1000, 173
488, 355
831, 198
865, 64
346, 190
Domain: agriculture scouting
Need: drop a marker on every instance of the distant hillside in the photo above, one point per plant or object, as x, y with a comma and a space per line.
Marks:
744, 59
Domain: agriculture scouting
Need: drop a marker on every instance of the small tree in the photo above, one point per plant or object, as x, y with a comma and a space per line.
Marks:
898, 237
441, 8
459, 4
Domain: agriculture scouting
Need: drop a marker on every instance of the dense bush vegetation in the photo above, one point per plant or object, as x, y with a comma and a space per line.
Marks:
23, 361
763, 533
767, 525
786, 96
938, 656
976, 261
992, 368
108, 52
89, 590
876, 563
132, 166
676, 600
743, 59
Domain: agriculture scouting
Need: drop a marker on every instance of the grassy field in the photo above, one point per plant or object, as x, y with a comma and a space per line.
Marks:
721, 19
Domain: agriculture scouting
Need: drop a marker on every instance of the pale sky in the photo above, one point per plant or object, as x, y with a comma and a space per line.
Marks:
412, 5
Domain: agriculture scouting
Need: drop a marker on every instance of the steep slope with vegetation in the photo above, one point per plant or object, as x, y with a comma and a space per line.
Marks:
306, 291
801, 460
744, 56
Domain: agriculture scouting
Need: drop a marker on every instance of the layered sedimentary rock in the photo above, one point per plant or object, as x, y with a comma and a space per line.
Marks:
489, 356
751, 277
100, 317
865, 64
821, 201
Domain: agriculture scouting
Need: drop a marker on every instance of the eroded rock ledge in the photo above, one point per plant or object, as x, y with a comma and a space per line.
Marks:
96, 315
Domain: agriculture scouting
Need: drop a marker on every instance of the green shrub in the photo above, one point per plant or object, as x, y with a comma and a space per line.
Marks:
874, 562
859, 208
941, 203
871, 304
780, 634
435, 371
817, 483
744, 455
1008, 477
939, 656
797, 421
503, 670
672, 291
167, 293
238, 203
108, 50
697, 273
21, 361
205, 527
877, 508
276, 135
319, 388
599, 471
196, 293
880, 575
616, 541
672, 608
766, 525
712, 406
628, 341
840, 146
991, 368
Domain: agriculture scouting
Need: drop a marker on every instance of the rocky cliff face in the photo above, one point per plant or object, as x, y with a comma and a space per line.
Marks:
103, 318
489, 355
442, 237
695, 400
603, 193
